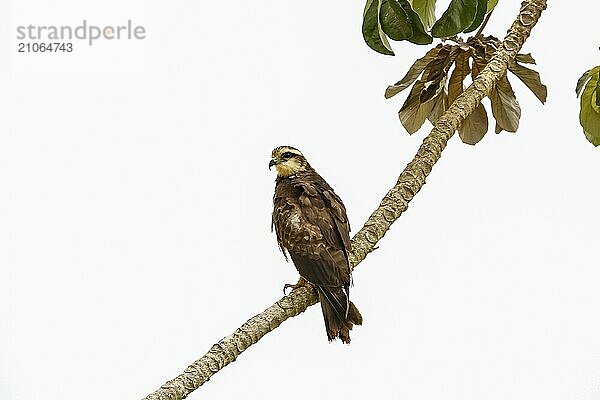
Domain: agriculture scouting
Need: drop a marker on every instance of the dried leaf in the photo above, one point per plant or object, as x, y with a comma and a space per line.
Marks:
437, 71
475, 126
478, 66
505, 107
531, 79
413, 72
525, 59
460, 72
371, 29
414, 113
477, 47
483, 49
440, 105
480, 60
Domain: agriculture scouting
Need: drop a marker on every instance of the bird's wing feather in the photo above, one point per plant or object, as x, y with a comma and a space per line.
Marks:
323, 208
327, 270
338, 211
324, 262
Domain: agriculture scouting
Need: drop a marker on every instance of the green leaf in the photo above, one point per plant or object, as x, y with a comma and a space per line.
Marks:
598, 91
419, 36
414, 113
413, 72
531, 79
589, 116
587, 75
505, 107
491, 5
394, 21
479, 16
371, 29
458, 17
426, 11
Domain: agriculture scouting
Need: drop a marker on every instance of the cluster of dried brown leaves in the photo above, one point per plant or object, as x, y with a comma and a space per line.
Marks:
431, 95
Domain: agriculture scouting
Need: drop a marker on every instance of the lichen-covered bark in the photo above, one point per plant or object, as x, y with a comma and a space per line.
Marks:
394, 203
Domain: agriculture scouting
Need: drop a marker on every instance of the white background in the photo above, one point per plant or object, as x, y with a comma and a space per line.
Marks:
135, 208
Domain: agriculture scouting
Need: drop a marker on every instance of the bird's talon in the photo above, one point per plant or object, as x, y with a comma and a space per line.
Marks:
293, 287
301, 283
287, 286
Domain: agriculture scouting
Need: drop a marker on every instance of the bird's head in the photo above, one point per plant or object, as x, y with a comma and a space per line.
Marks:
288, 161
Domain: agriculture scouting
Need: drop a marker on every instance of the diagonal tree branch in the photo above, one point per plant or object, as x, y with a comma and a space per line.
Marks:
394, 203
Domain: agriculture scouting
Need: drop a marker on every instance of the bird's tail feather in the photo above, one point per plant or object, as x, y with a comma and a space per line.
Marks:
339, 313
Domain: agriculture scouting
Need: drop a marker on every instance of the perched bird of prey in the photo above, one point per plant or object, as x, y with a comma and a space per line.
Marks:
312, 227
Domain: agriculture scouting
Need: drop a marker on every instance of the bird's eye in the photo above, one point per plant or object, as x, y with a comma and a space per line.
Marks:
287, 155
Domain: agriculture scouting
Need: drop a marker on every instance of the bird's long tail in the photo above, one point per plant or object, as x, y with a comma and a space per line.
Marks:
339, 313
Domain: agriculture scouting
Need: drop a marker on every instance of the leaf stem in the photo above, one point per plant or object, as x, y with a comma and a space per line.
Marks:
485, 22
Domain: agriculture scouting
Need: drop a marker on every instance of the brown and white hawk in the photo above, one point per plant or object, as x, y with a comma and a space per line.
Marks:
312, 227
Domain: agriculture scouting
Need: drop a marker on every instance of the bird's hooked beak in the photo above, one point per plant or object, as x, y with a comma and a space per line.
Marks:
271, 163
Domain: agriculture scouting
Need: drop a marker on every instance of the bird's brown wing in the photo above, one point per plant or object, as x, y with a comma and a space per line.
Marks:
338, 211
324, 208
324, 260
311, 224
